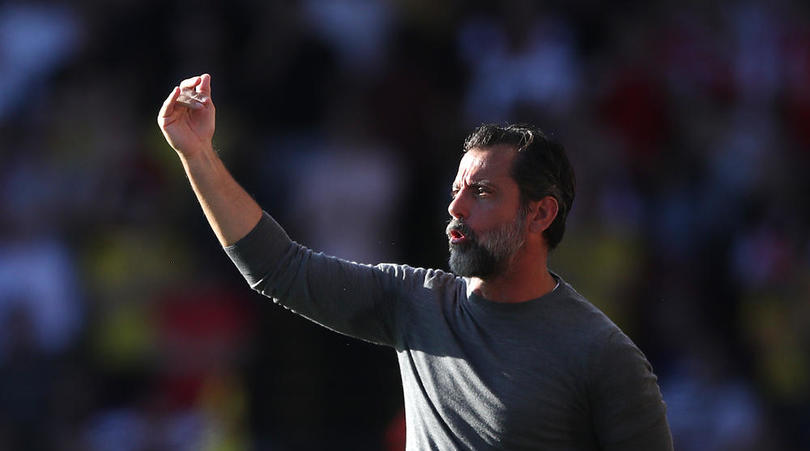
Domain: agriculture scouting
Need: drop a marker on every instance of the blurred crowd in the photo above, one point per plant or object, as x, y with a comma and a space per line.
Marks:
125, 327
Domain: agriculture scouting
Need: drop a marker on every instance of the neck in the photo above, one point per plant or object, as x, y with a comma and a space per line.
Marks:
526, 278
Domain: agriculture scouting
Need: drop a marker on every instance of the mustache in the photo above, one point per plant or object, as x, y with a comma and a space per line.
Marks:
459, 226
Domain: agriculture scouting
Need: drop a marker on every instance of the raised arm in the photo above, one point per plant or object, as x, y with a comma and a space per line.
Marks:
357, 300
187, 120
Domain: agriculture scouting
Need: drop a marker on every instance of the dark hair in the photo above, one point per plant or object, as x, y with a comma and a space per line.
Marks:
541, 168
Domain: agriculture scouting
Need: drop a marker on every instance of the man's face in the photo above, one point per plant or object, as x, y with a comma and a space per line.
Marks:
487, 226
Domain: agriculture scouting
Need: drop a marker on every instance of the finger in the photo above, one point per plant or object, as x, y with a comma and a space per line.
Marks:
189, 83
190, 99
204, 87
168, 105
202, 92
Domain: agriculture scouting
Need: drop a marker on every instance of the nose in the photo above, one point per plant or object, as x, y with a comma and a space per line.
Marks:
457, 207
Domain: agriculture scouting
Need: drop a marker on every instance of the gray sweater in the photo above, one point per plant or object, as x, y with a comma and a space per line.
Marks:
553, 373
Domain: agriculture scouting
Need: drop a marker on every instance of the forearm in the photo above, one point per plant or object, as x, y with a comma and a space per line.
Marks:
230, 210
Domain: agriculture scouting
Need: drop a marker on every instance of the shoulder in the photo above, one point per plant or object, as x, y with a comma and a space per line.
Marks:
611, 357
423, 297
604, 344
578, 314
606, 338
430, 279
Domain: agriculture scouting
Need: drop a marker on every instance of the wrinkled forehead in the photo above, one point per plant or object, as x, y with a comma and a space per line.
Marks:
489, 163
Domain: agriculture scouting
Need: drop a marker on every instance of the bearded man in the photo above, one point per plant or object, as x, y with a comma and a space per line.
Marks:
499, 354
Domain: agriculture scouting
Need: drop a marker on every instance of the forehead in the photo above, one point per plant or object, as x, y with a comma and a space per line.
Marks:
488, 163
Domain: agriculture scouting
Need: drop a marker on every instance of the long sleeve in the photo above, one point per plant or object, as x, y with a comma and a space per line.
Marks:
354, 299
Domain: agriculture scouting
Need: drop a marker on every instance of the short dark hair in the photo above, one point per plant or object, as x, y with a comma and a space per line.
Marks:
541, 168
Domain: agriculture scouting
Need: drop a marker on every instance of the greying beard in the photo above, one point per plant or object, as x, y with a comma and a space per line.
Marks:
490, 255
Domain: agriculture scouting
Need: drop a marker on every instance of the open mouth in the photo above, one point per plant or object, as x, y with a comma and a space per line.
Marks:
456, 236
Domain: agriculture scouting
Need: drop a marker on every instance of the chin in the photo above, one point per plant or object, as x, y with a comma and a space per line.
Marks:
473, 263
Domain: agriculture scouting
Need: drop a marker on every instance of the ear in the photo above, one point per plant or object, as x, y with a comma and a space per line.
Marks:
542, 213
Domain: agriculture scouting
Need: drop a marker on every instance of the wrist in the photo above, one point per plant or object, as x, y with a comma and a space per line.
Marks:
198, 154
200, 161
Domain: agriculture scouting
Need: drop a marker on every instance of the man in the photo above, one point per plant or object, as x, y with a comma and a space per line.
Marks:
503, 354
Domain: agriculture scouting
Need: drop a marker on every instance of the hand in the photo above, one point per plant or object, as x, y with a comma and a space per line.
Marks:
187, 117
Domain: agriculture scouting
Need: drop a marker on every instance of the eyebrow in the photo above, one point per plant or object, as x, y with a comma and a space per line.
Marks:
484, 183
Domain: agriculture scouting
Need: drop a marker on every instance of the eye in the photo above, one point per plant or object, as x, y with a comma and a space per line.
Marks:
482, 191
453, 193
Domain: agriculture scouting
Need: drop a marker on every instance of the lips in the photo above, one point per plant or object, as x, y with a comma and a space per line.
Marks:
456, 236
457, 232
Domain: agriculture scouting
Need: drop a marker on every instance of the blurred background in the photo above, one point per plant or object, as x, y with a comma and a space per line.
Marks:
125, 327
